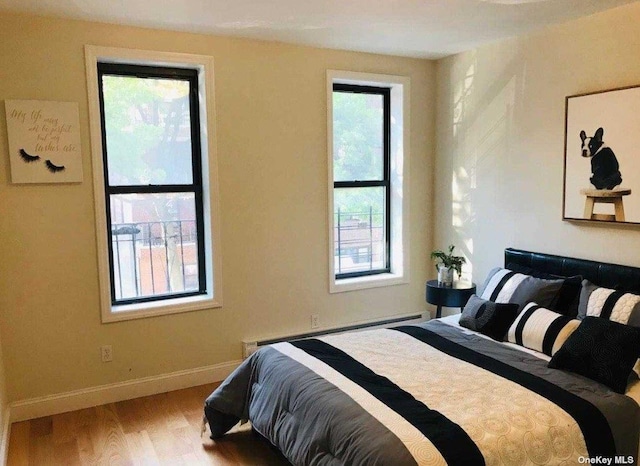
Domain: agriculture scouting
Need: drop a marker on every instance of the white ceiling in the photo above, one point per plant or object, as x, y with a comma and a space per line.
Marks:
416, 28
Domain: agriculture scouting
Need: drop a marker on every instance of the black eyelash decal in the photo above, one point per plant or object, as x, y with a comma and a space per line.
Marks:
53, 168
28, 157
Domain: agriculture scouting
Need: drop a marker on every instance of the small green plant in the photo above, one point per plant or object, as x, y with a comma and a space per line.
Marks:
448, 259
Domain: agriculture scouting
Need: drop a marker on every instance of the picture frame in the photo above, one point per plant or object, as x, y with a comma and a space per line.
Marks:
601, 166
44, 141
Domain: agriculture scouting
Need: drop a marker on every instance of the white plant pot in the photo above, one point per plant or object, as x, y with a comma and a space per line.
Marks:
445, 276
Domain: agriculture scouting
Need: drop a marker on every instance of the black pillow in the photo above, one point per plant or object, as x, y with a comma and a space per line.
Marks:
602, 350
489, 318
568, 298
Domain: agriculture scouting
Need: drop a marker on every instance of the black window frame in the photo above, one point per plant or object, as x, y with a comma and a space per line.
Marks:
196, 187
385, 182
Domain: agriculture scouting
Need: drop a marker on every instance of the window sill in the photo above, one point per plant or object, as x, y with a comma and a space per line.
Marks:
370, 281
158, 308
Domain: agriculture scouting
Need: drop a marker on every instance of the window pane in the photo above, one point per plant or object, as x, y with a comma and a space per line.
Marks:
154, 244
358, 128
359, 238
148, 130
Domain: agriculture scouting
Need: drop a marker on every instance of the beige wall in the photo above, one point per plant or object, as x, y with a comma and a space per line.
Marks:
271, 122
500, 139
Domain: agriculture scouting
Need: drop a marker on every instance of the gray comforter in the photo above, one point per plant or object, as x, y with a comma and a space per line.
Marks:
428, 394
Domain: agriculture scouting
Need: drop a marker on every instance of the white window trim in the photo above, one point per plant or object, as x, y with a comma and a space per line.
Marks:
211, 207
400, 142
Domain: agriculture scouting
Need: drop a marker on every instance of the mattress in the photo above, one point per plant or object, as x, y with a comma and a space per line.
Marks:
429, 394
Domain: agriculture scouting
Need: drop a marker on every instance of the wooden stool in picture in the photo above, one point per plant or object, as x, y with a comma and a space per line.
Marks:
605, 196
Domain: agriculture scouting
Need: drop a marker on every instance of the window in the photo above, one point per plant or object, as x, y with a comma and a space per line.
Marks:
153, 181
368, 140
361, 136
156, 199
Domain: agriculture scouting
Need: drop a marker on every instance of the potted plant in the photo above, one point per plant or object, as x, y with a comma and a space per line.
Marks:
446, 263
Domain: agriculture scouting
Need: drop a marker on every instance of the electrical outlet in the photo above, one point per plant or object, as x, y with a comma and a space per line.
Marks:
315, 321
107, 353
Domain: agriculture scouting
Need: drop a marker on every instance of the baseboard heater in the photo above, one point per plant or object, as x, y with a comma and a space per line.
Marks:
250, 347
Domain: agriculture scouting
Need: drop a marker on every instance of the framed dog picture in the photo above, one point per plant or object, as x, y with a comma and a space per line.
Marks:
602, 157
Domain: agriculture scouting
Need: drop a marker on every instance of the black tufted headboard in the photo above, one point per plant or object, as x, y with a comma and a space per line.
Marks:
621, 277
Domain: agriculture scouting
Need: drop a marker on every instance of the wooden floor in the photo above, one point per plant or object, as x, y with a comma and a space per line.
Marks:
160, 429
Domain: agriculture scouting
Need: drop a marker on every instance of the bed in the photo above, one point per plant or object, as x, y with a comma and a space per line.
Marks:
433, 394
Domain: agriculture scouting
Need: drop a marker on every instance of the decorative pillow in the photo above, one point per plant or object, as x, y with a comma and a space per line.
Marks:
489, 318
617, 306
567, 300
506, 286
602, 350
540, 329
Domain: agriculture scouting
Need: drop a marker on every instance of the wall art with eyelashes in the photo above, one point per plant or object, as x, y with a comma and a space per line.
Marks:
54, 168
44, 141
28, 158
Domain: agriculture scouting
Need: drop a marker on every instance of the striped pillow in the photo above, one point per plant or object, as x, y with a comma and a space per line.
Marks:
567, 299
617, 306
540, 329
506, 286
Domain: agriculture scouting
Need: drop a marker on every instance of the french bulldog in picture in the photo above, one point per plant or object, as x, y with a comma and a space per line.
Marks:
605, 170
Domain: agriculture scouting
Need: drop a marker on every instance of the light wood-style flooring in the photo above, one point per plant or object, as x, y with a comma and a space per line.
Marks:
161, 429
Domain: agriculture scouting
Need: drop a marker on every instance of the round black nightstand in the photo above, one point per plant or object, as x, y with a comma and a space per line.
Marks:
449, 296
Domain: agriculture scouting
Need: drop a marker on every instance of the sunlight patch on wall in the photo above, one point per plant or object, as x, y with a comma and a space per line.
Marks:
461, 96
481, 156
461, 217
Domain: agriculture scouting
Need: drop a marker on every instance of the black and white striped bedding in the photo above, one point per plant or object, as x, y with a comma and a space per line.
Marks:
427, 394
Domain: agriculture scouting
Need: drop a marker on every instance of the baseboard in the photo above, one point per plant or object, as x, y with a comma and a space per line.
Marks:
4, 440
111, 393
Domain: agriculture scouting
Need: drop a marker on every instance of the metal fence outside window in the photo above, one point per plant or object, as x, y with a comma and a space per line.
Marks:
151, 258
359, 242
